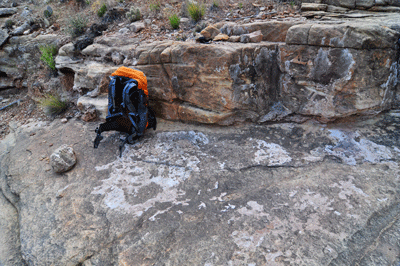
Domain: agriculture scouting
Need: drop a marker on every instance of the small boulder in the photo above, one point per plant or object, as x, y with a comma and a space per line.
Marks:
136, 26
234, 38
210, 32
63, 159
221, 37
313, 7
66, 50
253, 37
6, 12
256, 36
3, 37
21, 29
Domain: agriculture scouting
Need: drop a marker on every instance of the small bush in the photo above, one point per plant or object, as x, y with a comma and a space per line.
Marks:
48, 53
102, 10
53, 105
77, 26
155, 6
174, 20
215, 4
48, 12
196, 11
133, 14
9, 23
240, 5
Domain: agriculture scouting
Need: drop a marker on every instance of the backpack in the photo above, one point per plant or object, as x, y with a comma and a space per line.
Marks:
128, 109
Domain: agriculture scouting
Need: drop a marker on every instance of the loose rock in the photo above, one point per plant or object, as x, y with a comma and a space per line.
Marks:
313, 7
221, 37
210, 32
5, 12
234, 39
3, 37
21, 29
63, 159
136, 26
256, 36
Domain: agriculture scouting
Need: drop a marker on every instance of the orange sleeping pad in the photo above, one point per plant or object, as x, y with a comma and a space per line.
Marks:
133, 74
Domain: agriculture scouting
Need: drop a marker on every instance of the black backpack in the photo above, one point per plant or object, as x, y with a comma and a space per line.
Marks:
128, 109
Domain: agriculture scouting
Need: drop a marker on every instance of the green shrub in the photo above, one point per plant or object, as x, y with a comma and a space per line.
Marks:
77, 26
155, 6
133, 14
48, 53
9, 23
240, 5
196, 11
53, 105
174, 20
215, 4
102, 10
48, 12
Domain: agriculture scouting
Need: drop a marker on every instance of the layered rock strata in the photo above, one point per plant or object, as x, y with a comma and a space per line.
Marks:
326, 70
371, 5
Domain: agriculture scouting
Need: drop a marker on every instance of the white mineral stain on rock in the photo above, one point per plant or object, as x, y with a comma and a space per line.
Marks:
350, 150
316, 201
270, 154
159, 163
202, 206
348, 58
228, 207
348, 188
220, 198
252, 209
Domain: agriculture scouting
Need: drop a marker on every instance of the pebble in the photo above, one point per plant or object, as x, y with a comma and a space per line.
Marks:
64, 120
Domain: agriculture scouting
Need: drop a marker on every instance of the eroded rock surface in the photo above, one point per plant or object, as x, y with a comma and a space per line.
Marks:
328, 70
261, 195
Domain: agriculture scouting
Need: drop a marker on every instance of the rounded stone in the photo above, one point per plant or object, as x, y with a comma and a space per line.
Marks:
63, 159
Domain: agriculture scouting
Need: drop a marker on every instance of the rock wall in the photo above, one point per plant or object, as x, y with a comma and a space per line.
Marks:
326, 70
302, 68
372, 5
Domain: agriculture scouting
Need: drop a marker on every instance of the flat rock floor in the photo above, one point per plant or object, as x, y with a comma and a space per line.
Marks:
281, 194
